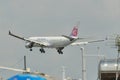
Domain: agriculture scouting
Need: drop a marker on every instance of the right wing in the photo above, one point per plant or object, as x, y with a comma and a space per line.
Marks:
29, 40
85, 42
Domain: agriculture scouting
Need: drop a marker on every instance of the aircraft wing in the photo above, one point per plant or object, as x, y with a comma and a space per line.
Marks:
29, 40
22, 38
85, 42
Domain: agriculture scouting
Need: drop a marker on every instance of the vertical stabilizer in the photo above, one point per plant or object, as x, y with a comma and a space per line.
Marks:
74, 32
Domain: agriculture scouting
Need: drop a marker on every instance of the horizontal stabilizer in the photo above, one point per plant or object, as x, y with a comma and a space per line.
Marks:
70, 38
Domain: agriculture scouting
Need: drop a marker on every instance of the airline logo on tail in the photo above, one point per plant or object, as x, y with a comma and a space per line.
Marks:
74, 32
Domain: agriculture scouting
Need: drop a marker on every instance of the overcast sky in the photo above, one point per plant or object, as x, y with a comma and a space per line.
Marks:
98, 18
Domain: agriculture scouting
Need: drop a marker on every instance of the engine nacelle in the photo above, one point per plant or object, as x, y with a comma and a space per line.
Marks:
29, 44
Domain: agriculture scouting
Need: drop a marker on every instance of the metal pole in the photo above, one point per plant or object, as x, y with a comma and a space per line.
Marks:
83, 64
24, 62
117, 70
63, 73
117, 41
98, 48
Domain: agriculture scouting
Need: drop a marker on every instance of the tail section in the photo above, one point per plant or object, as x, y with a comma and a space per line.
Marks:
74, 32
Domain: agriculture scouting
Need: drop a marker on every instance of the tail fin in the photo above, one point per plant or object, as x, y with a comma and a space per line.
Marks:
74, 32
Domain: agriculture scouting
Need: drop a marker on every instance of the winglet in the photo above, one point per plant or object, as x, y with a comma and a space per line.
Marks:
9, 32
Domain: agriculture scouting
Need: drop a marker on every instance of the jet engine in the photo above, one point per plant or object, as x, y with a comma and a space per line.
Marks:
29, 44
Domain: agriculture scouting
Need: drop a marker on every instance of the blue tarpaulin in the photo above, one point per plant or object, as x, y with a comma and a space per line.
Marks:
26, 77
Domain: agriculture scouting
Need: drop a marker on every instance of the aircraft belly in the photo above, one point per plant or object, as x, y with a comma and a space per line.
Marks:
60, 44
36, 45
54, 45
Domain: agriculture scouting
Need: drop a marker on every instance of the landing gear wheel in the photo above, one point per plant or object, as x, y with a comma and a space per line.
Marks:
42, 50
30, 49
59, 51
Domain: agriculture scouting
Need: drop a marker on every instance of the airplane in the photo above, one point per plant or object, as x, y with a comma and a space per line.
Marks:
58, 42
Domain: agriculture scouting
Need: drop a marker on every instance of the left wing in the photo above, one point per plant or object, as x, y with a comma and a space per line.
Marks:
85, 42
22, 38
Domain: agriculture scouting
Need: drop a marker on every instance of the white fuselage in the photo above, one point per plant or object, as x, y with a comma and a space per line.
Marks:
52, 42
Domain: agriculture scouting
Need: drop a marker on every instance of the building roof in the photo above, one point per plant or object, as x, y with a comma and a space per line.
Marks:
26, 77
108, 65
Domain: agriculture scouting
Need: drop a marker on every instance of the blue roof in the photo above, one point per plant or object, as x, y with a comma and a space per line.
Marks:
26, 77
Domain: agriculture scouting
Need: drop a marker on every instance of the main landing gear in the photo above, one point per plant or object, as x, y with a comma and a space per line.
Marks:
60, 51
30, 49
42, 50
